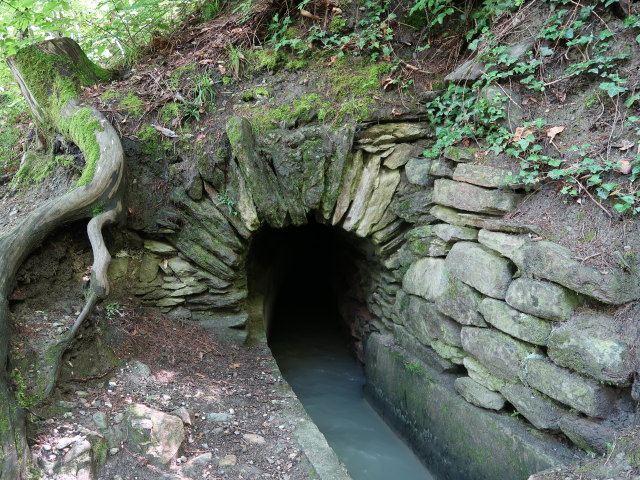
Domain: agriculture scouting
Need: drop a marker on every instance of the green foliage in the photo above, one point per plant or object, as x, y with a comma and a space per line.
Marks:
36, 167
211, 9
224, 199
13, 110
112, 309
20, 389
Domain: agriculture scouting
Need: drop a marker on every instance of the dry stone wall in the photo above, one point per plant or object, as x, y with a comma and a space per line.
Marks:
529, 327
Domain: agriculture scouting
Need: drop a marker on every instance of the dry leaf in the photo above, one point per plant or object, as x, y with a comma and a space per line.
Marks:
408, 66
395, 112
521, 132
332, 60
165, 131
308, 14
624, 145
553, 131
336, 10
386, 82
234, 365
625, 166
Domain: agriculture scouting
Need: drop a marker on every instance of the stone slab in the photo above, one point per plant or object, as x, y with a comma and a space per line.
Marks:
540, 410
473, 198
483, 176
566, 387
542, 299
501, 354
477, 394
481, 268
517, 324
588, 344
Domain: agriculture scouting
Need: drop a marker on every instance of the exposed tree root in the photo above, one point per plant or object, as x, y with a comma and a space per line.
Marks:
15, 246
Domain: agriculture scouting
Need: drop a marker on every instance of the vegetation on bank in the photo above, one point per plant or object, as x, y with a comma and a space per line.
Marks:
360, 49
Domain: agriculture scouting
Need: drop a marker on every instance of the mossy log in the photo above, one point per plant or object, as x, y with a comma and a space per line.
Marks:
50, 75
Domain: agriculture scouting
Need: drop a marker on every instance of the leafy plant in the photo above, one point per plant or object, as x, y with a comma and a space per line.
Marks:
113, 309
224, 199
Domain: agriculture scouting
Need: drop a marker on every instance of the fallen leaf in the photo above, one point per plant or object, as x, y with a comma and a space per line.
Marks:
234, 365
308, 14
624, 145
521, 132
332, 60
165, 131
395, 112
553, 131
408, 66
386, 82
336, 10
625, 166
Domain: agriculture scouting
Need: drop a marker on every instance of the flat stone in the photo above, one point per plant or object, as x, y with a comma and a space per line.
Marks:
219, 417
439, 248
481, 268
460, 154
483, 376
473, 198
503, 243
337, 167
395, 133
181, 267
517, 324
588, 344
441, 167
418, 171
254, 438
189, 290
454, 233
384, 150
539, 409
483, 176
542, 299
553, 262
384, 188
363, 193
501, 354
154, 434
449, 352
566, 387
589, 434
149, 266
260, 179
156, 246
427, 324
169, 302
456, 217
426, 278
459, 301
194, 466
402, 154
413, 206
467, 72
477, 394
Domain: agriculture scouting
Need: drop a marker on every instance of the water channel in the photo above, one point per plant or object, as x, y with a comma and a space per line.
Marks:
314, 359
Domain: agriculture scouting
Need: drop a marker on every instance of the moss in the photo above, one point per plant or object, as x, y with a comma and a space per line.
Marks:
37, 167
109, 95
100, 449
149, 138
266, 59
337, 25
132, 103
82, 128
253, 93
169, 111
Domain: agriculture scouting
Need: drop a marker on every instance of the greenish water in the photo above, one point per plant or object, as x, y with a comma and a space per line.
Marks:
313, 356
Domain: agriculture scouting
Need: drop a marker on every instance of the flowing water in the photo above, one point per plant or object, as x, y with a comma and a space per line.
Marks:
313, 355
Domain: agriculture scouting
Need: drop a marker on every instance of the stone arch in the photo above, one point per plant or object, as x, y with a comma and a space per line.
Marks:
484, 305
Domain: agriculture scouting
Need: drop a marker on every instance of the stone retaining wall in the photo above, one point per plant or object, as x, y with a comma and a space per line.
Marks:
522, 325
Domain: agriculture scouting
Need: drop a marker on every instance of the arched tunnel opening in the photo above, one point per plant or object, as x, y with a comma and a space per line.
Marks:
307, 285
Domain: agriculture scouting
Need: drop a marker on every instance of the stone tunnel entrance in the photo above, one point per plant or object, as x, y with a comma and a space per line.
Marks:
312, 281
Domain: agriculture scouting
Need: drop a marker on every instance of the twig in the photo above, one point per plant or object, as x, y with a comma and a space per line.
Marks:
584, 189
88, 379
589, 257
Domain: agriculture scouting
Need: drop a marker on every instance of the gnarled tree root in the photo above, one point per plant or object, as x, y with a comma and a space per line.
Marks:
15, 246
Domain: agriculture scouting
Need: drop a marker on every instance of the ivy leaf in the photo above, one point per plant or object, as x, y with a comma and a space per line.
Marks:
612, 88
